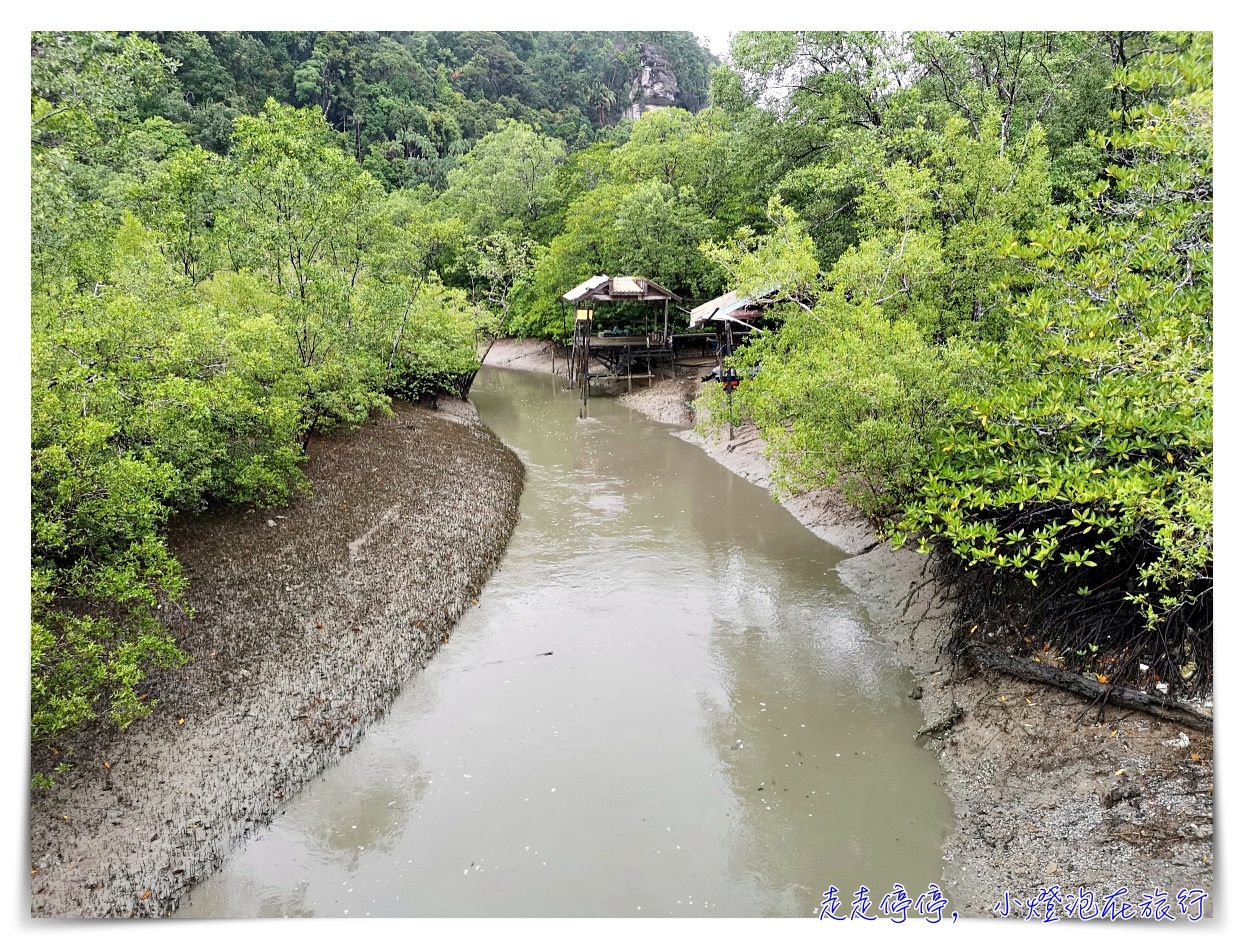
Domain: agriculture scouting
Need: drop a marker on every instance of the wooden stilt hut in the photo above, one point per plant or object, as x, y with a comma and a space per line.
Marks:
617, 355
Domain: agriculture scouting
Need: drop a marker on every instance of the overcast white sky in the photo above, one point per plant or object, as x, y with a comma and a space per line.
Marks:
717, 41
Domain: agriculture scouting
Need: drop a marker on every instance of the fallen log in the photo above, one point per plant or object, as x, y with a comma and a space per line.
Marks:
998, 659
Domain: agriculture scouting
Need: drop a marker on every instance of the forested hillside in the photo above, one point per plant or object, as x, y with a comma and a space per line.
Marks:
409, 103
993, 254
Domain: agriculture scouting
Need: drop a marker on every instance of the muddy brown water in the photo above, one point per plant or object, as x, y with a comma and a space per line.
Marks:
665, 703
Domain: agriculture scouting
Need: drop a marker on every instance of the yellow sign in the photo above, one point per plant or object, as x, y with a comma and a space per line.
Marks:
582, 315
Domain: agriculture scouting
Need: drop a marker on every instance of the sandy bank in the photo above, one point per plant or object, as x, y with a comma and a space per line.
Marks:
308, 622
1028, 767
667, 401
533, 355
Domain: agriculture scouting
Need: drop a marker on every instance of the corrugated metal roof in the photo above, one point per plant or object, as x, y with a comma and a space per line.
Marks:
623, 287
626, 286
724, 305
585, 289
657, 292
703, 312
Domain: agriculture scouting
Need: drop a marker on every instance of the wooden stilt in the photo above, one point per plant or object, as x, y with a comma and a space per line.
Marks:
666, 341
586, 367
729, 394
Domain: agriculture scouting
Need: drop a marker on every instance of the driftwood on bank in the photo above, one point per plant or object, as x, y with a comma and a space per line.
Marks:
1160, 706
943, 725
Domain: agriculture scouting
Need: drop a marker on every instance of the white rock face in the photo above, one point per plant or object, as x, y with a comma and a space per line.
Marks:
654, 86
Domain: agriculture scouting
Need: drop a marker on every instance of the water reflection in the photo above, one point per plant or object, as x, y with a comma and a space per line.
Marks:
665, 703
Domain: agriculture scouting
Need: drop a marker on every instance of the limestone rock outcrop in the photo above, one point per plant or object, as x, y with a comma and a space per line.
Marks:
654, 86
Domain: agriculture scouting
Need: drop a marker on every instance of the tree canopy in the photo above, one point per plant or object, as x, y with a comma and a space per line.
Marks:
990, 255
998, 341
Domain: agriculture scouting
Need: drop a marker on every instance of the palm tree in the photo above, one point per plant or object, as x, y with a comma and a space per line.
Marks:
601, 97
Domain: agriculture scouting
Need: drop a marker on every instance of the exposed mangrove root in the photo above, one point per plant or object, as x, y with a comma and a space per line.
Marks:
995, 658
942, 725
1086, 618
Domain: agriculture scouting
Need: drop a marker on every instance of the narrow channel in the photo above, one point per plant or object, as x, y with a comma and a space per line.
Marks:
664, 704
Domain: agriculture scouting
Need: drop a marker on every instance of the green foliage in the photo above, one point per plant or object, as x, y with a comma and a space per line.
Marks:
409, 104
847, 397
782, 261
1028, 385
987, 254
305, 217
1090, 462
646, 208
1058, 79
436, 350
851, 389
84, 85
84, 90
848, 103
179, 199
133, 416
657, 233
506, 182
498, 264
193, 318
932, 235
844, 394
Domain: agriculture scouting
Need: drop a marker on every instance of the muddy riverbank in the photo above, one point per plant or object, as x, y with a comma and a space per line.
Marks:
666, 704
308, 621
533, 355
1029, 767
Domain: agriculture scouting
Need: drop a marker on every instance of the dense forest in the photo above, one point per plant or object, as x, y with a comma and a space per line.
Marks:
989, 253
411, 104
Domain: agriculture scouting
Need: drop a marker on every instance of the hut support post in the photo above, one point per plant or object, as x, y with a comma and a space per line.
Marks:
586, 366
666, 341
729, 395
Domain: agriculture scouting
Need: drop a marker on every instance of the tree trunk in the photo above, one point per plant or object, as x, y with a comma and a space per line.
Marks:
397, 340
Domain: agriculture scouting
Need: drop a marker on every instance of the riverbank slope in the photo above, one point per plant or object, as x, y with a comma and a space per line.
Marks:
1029, 769
1033, 772
307, 622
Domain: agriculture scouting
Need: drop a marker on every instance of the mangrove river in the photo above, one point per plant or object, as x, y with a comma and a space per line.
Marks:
664, 703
